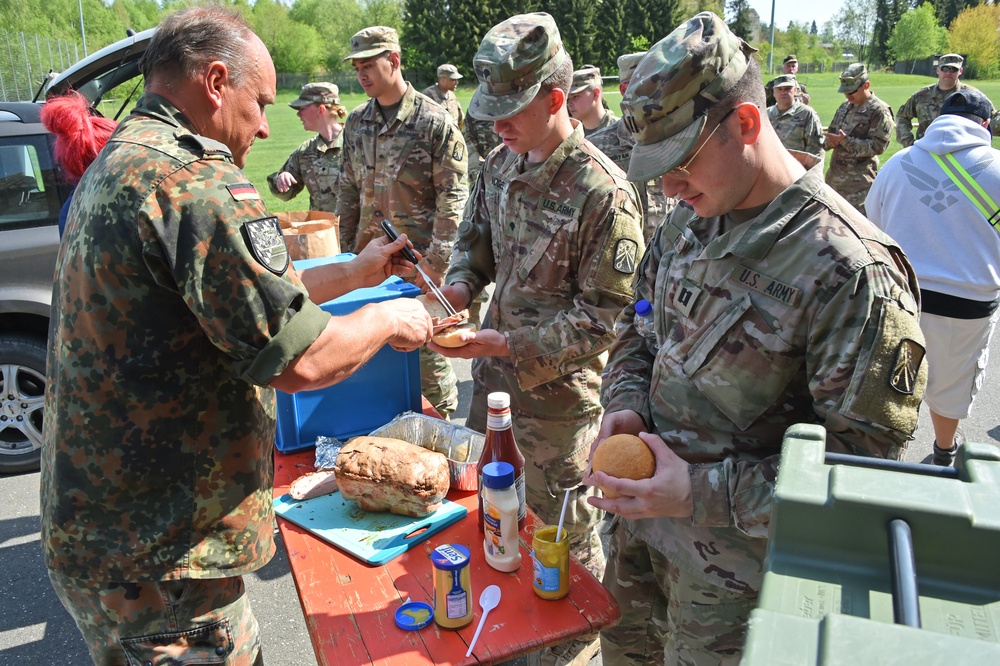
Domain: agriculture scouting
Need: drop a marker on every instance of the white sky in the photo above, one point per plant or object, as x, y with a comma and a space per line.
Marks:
800, 11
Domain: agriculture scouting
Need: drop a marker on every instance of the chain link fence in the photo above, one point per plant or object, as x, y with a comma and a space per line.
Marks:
25, 61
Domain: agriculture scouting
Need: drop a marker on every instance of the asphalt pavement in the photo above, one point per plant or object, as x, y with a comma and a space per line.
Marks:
35, 629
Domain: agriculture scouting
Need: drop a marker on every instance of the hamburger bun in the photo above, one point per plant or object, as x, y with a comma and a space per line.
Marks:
433, 307
452, 336
625, 457
448, 329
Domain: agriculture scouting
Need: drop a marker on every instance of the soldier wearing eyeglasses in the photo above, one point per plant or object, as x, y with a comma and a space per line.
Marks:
774, 303
925, 104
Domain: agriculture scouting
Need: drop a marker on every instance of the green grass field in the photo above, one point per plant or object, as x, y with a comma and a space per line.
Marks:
287, 133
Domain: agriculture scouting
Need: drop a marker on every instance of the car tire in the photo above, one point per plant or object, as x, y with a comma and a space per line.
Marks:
22, 394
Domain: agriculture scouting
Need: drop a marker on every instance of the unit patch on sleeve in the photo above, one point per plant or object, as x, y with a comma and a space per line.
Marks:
626, 256
266, 244
909, 356
243, 191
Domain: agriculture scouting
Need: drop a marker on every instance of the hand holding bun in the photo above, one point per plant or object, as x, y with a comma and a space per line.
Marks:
448, 330
625, 457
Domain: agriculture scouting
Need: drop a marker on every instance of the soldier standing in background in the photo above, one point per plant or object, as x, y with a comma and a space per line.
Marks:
556, 227
773, 305
857, 135
315, 165
797, 125
403, 161
790, 65
443, 92
616, 142
925, 104
586, 100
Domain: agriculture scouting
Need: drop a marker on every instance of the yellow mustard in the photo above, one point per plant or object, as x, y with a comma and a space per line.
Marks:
550, 563
452, 586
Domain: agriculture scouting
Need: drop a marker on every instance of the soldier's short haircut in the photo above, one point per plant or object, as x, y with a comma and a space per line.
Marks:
748, 89
188, 40
562, 78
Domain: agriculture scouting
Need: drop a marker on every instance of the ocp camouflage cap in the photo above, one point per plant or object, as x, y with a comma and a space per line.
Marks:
627, 64
447, 71
681, 77
320, 92
951, 60
785, 81
789, 58
513, 60
588, 76
373, 41
853, 77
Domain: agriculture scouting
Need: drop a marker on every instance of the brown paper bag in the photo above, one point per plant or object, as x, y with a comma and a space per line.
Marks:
310, 233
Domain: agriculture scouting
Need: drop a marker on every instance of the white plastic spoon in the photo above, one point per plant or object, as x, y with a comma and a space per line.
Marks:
488, 600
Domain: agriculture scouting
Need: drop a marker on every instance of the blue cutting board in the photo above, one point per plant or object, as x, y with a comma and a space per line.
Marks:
372, 537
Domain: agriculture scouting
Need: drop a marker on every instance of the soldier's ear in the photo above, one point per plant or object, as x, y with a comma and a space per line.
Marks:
557, 98
215, 79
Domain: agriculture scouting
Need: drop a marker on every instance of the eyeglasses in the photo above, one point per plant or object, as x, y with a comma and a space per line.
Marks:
948, 68
680, 171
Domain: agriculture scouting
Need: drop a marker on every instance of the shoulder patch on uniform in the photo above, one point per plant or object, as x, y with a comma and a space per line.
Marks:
626, 256
909, 356
243, 191
458, 152
266, 244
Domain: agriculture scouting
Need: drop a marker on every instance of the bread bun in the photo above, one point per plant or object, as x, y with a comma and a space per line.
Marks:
433, 306
452, 336
625, 457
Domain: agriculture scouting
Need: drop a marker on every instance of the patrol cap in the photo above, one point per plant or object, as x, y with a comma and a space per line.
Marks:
373, 41
681, 77
513, 60
447, 71
853, 77
785, 81
951, 60
789, 58
316, 93
589, 76
968, 101
627, 64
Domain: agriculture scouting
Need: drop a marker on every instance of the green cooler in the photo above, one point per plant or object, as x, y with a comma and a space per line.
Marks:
878, 562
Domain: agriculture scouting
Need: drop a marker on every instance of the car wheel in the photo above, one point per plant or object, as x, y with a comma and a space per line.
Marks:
22, 392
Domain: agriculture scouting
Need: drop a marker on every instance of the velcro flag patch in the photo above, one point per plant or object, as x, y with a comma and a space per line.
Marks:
243, 191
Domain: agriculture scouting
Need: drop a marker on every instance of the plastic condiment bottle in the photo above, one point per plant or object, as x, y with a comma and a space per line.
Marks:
501, 544
452, 586
501, 447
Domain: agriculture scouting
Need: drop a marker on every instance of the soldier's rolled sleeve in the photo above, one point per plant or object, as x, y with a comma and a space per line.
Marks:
451, 186
349, 197
291, 166
572, 338
904, 123
814, 136
734, 493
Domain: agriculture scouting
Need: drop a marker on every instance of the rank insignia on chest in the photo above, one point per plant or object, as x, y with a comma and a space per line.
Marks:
243, 191
266, 244
626, 256
909, 356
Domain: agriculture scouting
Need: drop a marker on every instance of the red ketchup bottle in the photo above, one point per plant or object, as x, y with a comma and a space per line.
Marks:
501, 447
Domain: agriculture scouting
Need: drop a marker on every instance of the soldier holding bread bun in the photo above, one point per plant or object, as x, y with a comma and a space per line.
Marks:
774, 303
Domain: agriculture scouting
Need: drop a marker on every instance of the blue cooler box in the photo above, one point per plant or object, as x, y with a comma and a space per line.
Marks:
384, 387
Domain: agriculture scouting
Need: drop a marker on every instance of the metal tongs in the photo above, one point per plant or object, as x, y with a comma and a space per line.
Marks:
391, 232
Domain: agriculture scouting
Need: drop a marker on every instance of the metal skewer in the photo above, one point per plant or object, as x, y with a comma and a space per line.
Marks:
391, 232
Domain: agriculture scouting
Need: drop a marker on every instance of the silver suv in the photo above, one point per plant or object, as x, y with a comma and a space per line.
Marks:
32, 191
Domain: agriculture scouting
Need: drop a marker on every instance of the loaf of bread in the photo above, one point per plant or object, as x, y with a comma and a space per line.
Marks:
385, 474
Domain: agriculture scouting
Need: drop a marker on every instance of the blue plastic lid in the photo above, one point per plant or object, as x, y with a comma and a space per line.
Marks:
450, 556
498, 475
414, 615
643, 308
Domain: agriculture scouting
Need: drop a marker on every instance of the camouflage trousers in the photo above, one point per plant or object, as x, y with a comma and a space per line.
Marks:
555, 456
163, 622
438, 382
669, 616
853, 187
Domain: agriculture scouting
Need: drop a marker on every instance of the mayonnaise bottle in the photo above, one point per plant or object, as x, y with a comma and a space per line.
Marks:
500, 507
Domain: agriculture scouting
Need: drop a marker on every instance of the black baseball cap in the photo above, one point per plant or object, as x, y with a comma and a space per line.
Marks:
971, 102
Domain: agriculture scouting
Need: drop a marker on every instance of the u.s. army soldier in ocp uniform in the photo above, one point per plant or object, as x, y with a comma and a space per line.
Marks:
774, 303
616, 142
443, 92
797, 125
857, 135
404, 161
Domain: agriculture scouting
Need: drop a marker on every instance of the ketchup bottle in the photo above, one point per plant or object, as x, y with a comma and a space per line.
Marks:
501, 447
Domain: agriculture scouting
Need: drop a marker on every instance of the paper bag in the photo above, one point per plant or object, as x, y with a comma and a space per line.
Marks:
310, 233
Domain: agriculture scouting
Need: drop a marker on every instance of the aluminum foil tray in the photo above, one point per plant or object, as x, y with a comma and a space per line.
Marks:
462, 446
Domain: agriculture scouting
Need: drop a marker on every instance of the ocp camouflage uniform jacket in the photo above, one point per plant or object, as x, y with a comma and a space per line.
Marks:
315, 166
561, 241
411, 172
616, 142
448, 100
607, 121
173, 308
798, 127
925, 105
854, 162
798, 315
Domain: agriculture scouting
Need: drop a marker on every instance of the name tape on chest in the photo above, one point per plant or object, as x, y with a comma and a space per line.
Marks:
766, 285
243, 191
266, 243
